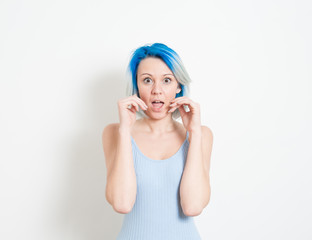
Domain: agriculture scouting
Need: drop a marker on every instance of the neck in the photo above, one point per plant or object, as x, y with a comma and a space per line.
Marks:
159, 126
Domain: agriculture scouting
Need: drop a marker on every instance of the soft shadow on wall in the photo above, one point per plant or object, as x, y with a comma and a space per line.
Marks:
82, 211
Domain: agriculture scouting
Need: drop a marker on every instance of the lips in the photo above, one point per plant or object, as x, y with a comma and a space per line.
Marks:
157, 105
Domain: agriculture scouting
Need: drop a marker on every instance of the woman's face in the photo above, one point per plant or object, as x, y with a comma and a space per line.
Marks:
156, 82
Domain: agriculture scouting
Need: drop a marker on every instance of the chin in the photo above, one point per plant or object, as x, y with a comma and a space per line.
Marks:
158, 115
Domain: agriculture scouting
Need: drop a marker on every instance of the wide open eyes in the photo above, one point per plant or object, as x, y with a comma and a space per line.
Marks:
149, 80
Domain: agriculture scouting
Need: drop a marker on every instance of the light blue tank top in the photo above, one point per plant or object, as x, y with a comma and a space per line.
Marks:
157, 213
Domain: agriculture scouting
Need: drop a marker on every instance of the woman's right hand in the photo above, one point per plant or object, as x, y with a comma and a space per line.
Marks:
127, 116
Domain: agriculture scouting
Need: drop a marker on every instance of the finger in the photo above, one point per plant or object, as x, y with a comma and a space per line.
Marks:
181, 104
181, 108
178, 99
133, 110
136, 100
132, 107
173, 108
132, 104
140, 102
185, 102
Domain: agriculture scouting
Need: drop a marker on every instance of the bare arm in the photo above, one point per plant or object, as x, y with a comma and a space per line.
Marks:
121, 186
195, 183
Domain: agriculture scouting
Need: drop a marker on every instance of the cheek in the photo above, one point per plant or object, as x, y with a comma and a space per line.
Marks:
171, 91
144, 95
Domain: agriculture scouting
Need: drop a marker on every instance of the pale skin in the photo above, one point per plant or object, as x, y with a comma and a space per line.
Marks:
159, 137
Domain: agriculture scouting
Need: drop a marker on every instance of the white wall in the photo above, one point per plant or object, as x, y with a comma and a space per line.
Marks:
62, 66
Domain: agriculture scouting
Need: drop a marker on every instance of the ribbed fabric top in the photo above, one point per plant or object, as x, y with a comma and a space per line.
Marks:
157, 213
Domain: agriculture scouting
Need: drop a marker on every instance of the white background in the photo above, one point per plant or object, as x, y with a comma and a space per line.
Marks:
62, 68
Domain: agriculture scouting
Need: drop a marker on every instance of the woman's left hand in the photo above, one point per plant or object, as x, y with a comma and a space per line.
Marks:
190, 119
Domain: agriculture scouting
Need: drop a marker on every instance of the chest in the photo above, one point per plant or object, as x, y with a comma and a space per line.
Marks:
160, 149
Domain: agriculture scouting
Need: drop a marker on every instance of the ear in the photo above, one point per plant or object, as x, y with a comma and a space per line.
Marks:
178, 89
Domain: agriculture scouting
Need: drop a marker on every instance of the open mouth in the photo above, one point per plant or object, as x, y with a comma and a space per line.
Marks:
157, 104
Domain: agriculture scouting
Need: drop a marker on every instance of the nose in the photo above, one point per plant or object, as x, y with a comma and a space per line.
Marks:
157, 88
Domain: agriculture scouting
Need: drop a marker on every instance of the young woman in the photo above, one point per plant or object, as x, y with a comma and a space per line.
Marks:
158, 168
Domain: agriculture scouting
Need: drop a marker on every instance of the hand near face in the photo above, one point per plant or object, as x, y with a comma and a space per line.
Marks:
190, 119
127, 108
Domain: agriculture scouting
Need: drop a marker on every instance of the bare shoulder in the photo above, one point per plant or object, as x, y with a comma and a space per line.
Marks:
207, 133
109, 131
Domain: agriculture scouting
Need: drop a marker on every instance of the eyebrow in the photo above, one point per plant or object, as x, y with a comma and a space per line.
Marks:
152, 75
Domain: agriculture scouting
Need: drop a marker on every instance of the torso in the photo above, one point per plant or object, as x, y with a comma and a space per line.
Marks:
158, 147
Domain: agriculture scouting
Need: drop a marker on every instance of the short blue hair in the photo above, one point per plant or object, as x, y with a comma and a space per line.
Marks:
172, 60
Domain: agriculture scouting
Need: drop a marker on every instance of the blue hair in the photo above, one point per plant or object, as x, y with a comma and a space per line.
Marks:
172, 60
